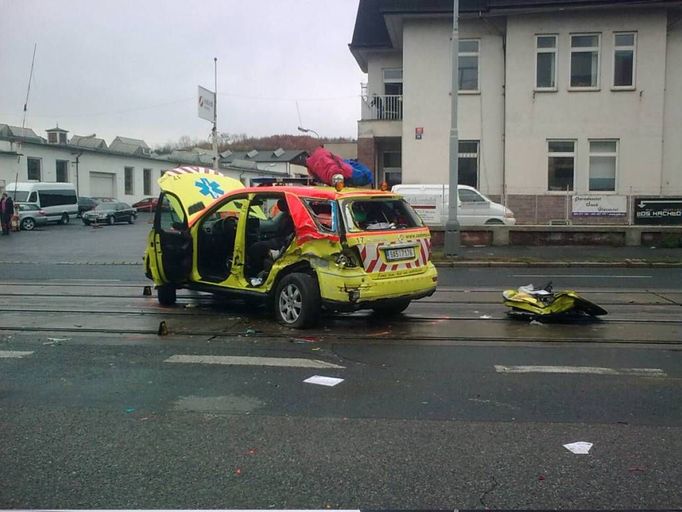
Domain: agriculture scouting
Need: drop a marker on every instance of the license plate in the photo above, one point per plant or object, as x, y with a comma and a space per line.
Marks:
399, 254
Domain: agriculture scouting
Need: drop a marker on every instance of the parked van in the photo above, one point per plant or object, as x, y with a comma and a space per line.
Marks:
431, 202
58, 200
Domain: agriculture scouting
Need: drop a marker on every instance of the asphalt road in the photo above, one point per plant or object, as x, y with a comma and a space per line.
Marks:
450, 405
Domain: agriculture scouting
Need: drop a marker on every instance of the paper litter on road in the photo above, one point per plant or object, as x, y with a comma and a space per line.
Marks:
579, 447
323, 381
485, 317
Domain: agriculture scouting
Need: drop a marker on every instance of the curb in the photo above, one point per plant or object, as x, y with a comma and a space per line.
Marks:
545, 264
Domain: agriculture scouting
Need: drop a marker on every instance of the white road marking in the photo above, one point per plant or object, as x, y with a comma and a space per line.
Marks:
583, 276
14, 354
323, 381
291, 362
593, 370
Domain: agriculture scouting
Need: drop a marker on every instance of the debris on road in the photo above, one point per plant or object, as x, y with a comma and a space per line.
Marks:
579, 447
130, 410
163, 329
305, 339
323, 381
55, 341
485, 317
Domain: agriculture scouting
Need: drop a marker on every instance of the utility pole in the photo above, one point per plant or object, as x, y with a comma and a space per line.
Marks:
452, 241
216, 157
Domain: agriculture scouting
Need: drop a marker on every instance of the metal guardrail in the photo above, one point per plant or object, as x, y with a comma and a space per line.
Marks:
386, 107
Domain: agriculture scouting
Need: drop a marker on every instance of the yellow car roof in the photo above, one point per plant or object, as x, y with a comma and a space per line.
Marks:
197, 187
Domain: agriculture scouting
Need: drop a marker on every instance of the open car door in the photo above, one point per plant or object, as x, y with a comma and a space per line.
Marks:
186, 192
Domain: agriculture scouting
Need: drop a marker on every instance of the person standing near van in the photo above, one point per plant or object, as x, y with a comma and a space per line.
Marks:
6, 212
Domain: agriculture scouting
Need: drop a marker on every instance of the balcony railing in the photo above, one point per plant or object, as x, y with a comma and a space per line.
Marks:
387, 107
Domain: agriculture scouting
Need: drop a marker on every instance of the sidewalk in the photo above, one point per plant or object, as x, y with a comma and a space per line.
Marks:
570, 256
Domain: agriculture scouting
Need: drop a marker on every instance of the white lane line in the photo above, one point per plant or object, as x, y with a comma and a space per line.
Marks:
583, 276
291, 362
14, 354
593, 370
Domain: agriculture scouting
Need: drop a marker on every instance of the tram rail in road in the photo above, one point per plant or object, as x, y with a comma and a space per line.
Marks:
453, 314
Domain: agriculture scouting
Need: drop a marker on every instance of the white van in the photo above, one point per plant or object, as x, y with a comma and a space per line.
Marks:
474, 209
58, 200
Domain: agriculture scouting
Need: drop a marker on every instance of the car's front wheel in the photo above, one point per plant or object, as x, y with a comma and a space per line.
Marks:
297, 300
167, 294
65, 219
28, 224
131, 219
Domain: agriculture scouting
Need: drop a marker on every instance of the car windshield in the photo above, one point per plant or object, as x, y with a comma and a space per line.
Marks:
379, 214
18, 196
105, 207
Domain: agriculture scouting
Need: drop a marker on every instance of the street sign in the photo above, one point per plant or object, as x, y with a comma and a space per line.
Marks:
658, 210
599, 205
206, 104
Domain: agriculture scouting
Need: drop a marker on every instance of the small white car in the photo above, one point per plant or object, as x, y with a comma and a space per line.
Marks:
431, 202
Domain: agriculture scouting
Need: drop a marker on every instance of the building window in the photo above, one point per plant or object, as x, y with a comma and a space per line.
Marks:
561, 165
585, 61
62, 171
624, 60
468, 163
468, 65
545, 62
52, 137
128, 171
603, 164
393, 81
34, 168
147, 182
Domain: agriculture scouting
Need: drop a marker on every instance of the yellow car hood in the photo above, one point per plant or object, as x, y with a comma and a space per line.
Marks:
197, 187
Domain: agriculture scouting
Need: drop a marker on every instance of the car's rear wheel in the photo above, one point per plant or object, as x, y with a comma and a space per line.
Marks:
493, 222
297, 300
392, 308
167, 294
110, 220
28, 224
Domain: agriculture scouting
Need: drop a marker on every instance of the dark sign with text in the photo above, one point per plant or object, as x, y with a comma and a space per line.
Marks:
658, 210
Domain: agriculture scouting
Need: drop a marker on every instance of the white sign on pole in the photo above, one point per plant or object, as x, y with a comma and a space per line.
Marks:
206, 104
594, 205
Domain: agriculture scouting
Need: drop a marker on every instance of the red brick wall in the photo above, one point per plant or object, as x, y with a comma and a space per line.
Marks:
367, 153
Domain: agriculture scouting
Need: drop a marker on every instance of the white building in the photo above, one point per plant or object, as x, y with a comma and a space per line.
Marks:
126, 169
557, 99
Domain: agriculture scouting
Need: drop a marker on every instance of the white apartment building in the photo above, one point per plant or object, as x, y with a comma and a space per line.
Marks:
561, 103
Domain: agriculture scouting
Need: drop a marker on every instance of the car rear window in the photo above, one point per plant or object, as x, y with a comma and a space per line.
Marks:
380, 214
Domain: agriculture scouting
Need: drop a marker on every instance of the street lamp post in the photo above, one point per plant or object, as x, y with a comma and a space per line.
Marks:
308, 130
452, 241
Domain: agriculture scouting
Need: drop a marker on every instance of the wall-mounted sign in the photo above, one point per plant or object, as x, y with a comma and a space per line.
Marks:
418, 133
594, 205
658, 210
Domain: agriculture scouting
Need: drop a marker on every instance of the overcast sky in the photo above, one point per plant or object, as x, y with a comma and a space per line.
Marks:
131, 67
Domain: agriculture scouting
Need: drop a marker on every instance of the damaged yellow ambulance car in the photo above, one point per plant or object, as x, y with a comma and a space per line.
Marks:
297, 249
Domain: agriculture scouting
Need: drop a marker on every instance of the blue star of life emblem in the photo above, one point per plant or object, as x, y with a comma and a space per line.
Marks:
209, 188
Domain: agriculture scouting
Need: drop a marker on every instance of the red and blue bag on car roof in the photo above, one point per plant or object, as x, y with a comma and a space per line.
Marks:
322, 164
